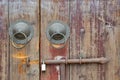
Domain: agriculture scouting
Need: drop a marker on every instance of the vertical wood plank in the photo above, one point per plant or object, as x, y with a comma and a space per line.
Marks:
52, 10
4, 40
85, 16
112, 44
27, 10
99, 41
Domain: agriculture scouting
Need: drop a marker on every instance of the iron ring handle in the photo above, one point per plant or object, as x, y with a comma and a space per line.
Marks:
21, 45
63, 38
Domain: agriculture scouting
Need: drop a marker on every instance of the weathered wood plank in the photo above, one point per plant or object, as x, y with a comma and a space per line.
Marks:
95, 31
85, 32
4, 40
27, 10
99, 41
112, 42
52, 10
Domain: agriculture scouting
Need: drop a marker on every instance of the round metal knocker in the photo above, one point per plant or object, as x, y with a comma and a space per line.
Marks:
57, 33
21, 32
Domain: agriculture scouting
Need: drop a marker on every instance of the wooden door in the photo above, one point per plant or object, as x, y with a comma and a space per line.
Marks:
98, 19
12, 68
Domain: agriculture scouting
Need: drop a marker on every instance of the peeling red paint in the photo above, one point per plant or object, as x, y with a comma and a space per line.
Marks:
98, 33
56, 52
76, 23
62, 15
99, 39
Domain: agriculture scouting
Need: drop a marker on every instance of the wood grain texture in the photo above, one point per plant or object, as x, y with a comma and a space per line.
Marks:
88, 44
100, 19
112, 43
95, 31
4, 40
27, 10
52, 10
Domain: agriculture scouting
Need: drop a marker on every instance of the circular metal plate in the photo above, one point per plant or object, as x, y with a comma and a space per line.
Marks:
21, 26
57, 27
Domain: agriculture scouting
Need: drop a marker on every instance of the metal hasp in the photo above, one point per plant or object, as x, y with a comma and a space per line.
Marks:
64, 62
21, 32
58, 33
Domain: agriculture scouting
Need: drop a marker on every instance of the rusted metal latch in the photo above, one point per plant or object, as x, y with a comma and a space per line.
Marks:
63, 62
101, 60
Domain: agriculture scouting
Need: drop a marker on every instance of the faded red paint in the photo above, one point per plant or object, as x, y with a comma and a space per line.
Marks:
53, 73
76, 23
63, 15
58, 52
100, 44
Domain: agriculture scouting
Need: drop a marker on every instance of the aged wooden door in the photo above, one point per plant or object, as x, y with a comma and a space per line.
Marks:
12, 65
100, 22
94, 33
